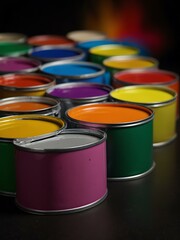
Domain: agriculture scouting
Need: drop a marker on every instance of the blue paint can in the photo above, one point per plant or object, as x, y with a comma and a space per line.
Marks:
74, 71
57, 53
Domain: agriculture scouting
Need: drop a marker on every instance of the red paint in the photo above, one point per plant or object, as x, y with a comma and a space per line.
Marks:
24, 80
42, 40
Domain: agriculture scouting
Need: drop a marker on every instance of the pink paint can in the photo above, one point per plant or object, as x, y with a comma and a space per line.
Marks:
63, 173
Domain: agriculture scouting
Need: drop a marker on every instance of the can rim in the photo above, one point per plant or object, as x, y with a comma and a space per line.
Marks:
101, 69
21, 143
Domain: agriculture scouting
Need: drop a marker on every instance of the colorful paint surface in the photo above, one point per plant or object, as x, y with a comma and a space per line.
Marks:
113, 50
78, 91
41, 40
128, 63
13, 49
107, 113
25, 80
12, 37
24, 106
142, 95
85, 35
12, 64
71, 69
16, 127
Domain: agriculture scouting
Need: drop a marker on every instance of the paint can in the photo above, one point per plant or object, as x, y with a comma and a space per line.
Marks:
162, 100
18, 64
56, 53
12, 37
30, 105
129, 129
85, 35
74, 94
25, 84
14, 49
66, 71
119, 63
147, 76
21, 126
99, 53
50, 40
61, 174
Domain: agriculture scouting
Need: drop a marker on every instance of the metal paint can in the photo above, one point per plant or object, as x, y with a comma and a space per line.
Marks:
119, 63
50, 40
100, 53
75, 71
161, 100
129, 129
57, 53
30, 105
147, 76
74, 94
61, 174
15, 49
12, 37
25, 84
18, 64
85, 35
21, 126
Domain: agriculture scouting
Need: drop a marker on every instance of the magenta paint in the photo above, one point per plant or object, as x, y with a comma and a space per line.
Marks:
18, 64
63, 173
74, 94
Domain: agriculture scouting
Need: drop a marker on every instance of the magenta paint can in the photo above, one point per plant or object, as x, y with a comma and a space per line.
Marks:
61, 174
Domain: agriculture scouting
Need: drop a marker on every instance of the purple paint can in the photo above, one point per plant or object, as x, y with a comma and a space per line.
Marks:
18, 64
74, 94
63, 173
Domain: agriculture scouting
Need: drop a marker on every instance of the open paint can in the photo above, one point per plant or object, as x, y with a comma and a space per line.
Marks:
119, 63
21, 126
14, 49
99, 53
25, 84
74, 94
50, 40
129, 135
57, 53
30, 105
85, 35
147, 77
18, 64
12, 37
63, 173
74, 71
161, 100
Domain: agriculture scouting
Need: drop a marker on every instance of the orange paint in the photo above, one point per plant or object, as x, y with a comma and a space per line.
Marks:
24, 106
108, 113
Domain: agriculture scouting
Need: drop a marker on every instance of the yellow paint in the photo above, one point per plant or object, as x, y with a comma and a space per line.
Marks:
128, 63
113, 50
141, 94
28, 126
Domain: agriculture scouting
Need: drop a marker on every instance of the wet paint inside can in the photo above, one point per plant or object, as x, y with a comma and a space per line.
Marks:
41, 40
14, 49
85, 35
13, 64
55, 52
78, 91
24, 106
113, 50
12, 37
28, 126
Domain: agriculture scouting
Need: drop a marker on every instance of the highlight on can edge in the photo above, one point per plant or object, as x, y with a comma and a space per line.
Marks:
128, 155
25, 84
162, 100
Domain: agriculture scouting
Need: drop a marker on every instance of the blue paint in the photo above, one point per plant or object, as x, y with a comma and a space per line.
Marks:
70, 72
55, 53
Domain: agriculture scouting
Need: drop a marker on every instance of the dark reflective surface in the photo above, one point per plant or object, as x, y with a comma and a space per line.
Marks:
146, 208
